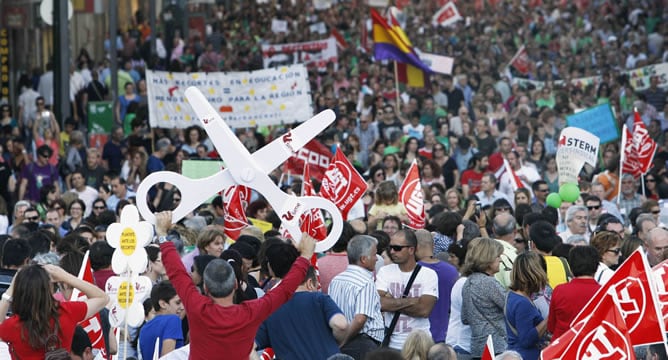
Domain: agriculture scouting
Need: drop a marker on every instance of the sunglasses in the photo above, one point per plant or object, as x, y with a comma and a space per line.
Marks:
99, 207
655, 212
503, 209
398, 248
33, 218
594, 207
650, 180
615, 251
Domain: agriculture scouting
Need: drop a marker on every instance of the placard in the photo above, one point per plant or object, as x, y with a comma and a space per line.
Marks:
598, 120
244, 99
313, 54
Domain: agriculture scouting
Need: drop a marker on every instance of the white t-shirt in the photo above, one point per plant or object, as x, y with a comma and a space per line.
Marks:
392, 280
88, 196
458, 333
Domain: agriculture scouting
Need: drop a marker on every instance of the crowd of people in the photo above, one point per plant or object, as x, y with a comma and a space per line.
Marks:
492, 259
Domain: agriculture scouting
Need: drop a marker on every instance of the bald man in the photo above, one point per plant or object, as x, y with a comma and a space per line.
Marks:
504, 227
447, 275
656, 245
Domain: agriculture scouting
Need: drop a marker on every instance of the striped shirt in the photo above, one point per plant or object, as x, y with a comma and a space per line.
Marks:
354, 291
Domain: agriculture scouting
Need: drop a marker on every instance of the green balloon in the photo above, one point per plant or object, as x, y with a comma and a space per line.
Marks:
553, 200
569, 192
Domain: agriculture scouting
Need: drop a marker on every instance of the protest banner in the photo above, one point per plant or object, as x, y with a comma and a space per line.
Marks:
100, 122
315, 154
575, 148
243, 99
279, 26
598, 120
438, 63
312, 54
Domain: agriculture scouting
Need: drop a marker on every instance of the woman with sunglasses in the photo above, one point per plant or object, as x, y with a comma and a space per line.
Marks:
608, 245
651, 189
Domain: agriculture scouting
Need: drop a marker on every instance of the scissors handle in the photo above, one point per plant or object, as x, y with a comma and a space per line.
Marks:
295, 206
194, 192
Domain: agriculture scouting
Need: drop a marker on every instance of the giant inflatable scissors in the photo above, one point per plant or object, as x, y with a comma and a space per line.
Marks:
252, 171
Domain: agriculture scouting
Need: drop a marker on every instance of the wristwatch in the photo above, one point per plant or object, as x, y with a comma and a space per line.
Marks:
162, 239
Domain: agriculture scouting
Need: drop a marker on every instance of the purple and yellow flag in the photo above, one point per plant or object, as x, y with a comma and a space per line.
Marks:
391, 43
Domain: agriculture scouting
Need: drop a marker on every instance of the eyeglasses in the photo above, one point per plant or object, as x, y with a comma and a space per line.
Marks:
99, 207
655, 212
596, 207
398, 248
505, 208
543, 190
33, 218
650, 180
615, 251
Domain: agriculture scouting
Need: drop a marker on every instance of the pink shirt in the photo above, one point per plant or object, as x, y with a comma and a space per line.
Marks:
329, 266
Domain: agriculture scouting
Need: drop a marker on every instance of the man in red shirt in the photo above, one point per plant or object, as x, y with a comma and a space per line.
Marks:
569, 298
218, 327
472, 177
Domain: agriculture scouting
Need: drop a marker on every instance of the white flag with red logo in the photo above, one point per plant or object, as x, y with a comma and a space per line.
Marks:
312, 221
603, 335
235, 201
515, 180
92, 325
521, 61
447, 15
488, 351
412, 197
644, 145
342, 184
632, 290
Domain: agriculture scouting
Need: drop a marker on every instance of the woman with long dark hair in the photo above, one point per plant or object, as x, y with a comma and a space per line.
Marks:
39, 323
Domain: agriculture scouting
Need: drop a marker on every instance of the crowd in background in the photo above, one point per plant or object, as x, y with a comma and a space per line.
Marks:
58, 193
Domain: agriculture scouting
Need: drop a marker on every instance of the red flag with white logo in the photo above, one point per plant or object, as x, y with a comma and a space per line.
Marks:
92, 325
235, 201
312, 221
629, 159
411, 196
342, 184
521, 61
631, 288
660, 275
446, 15
645, 147
603, 335
488, 351
315, 154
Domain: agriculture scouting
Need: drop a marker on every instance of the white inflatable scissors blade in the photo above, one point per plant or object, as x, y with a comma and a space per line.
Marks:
250, 171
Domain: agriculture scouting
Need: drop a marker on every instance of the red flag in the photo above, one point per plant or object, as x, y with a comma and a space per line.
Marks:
342, 184
521, 61
312, 222
660, 274
341, 42
315, 154
92, 325
411, 196
631, 289
603, 335
488, 351
644, 146
235, 200
630, 163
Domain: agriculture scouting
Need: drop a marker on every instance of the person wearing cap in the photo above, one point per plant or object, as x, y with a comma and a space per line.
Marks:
217, 325
35, 175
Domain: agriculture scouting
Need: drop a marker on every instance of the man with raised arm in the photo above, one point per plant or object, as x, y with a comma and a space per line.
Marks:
218, 327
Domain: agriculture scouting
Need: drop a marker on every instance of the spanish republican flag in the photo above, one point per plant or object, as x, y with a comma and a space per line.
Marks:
391, 43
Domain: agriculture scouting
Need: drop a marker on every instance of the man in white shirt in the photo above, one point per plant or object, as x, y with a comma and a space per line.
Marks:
526, 174
86, 193
488, 193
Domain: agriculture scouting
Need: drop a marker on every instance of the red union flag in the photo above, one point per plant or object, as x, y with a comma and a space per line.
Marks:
447, 15
92, 325
342, 184
630, 163
411, 196
660, 274
312, 221
315, 154
632, 290
644, 146
521, 61
235, 200
603, 335
488, 351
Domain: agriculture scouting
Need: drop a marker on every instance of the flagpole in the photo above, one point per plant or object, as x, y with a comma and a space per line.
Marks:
621, 164
396, 85
642, 183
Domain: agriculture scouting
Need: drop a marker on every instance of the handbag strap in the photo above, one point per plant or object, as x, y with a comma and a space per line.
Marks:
395, 318
505, 316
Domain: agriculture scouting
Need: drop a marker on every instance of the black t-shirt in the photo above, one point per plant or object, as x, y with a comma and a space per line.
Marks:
487, 145
385, 129
448, 172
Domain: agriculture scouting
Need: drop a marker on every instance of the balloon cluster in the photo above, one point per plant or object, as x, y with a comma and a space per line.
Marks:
568, 192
